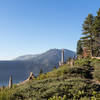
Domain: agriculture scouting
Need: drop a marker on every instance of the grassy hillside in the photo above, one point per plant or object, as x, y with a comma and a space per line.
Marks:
65, 83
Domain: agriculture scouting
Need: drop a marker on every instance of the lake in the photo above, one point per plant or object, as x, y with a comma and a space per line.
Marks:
6, 83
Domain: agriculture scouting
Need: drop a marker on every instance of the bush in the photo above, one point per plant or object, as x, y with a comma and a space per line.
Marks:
96, 73
83, 62
58, 98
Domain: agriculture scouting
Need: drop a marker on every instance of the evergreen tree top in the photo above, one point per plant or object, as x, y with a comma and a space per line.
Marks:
98, 13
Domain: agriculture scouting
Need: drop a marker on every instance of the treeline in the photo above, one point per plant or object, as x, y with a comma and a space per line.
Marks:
90, 39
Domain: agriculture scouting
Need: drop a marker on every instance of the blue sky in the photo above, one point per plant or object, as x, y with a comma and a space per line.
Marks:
34, 26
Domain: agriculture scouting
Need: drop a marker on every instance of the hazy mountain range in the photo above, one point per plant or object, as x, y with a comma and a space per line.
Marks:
21, 66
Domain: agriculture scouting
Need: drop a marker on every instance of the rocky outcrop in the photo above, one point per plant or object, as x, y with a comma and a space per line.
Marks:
31, 77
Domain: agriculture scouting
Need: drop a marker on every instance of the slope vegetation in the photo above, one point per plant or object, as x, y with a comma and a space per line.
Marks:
64, 83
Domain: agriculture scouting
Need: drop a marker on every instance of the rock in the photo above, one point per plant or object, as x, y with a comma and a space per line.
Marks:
10, 82
31, 77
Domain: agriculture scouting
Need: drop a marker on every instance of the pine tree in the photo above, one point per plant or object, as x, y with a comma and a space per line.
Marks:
55, 67
88, 35
79, 47
41, 71
96, 30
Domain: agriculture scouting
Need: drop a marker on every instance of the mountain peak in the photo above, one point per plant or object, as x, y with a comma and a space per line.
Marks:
50, 52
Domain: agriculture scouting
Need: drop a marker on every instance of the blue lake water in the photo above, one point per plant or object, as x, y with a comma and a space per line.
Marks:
12, 68
5, 83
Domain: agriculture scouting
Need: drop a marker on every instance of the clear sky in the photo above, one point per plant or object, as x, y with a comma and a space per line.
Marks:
34, 26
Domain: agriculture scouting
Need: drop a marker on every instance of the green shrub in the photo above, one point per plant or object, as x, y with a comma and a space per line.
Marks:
83, 62
96, 73
58, 98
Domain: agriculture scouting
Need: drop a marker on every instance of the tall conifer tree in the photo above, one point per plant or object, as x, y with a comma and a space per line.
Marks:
96, 30
88, 35
79, 48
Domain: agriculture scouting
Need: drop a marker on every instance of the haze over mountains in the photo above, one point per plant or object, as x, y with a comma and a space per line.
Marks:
26, 57
21, 66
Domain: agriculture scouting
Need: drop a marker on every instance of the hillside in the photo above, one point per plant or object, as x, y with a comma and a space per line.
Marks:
31, 63
64, 83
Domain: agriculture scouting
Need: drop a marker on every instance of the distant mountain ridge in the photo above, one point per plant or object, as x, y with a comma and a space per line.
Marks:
21, 66
57, 52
